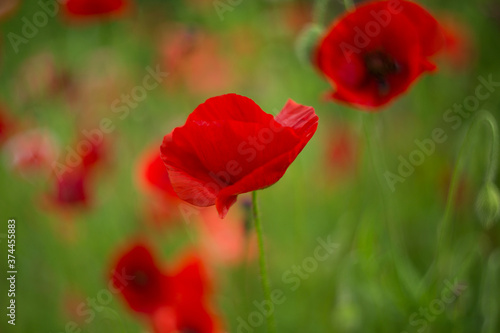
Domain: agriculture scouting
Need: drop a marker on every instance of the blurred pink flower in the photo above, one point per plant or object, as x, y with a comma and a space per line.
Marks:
31, 150
225, 242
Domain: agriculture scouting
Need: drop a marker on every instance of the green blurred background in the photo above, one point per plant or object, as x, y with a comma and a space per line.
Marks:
66, 78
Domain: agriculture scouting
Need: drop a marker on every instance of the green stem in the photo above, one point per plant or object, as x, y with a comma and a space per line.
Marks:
320, 11
266, 286
443, 231
404, 270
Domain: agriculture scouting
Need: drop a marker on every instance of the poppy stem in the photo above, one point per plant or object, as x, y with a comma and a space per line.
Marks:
266, 286
444, 232
404, 271
320, 10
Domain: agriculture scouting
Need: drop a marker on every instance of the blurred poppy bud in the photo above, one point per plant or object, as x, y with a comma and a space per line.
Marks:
307, 41
488, 205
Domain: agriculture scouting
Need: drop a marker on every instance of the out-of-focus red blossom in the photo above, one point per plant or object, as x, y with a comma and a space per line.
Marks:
71, 189
141, 282
95, 8
175, 300
32, 150
95, 155
459, 42
343, 151
7, 7
224, 241
229, 146
189, 279
153, 174
370, 60
152, 178
190, 311
195, 318
196, 62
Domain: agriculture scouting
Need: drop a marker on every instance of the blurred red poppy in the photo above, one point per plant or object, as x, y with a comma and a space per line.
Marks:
141, 282
95, 8
229, 146
195, 318
152, 178
71, 189
95, 155
373, 54
190, 311
153, 174
175, 300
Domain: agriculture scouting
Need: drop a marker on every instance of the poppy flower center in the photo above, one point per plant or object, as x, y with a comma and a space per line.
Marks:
141, 279
380, 65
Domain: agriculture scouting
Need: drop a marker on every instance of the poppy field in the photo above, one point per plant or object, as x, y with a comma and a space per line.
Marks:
211, 166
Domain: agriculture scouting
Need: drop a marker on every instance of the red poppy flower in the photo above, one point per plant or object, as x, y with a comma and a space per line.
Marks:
71, 190
95, 8
189, 280
229, 146
142, 283
175, 301
190, 310
373, 54
94, 156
